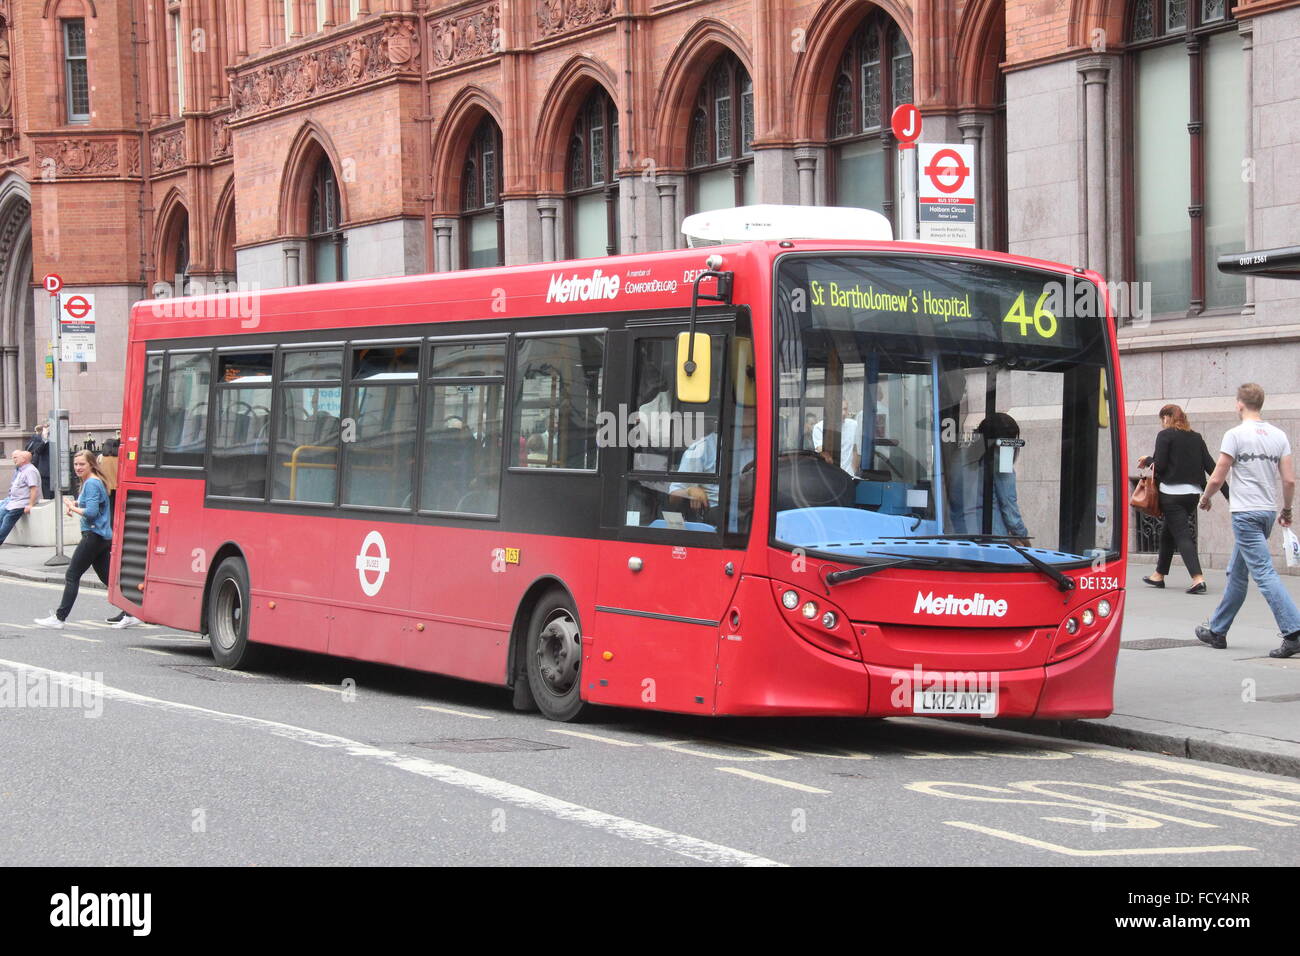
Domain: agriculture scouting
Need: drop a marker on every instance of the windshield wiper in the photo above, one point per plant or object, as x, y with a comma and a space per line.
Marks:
852, 574
1063, 582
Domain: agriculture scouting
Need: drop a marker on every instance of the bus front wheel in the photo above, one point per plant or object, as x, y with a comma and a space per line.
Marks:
229, 600
554, 658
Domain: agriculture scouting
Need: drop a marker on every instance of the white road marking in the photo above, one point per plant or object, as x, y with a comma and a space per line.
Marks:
25, 627
1071, 851
332, 690
150, 650
454, 713
1192, 769
596, 737
774, 780
90, 623
175, 637
493, 789
88, 640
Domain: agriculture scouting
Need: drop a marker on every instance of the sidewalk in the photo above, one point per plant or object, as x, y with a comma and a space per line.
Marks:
1173, 694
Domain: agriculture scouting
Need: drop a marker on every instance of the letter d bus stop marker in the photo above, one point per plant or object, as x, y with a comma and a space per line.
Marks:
52, 284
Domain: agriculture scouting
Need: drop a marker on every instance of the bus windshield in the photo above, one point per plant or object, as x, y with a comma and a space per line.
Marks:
955, 412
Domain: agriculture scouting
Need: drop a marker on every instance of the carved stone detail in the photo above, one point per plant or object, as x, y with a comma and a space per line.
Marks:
358, 60
167, 151
556, 16
220, 136
467, 36
80, 157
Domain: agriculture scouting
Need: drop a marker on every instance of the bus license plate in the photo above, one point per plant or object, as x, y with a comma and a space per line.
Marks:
979, 703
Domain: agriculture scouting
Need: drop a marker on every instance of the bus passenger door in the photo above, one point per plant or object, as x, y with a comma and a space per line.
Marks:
675, 495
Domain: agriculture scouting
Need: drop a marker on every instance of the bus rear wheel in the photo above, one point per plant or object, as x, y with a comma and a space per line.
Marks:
554, 658
229, 600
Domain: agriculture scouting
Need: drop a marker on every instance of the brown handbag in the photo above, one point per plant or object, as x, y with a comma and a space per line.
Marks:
1146, 496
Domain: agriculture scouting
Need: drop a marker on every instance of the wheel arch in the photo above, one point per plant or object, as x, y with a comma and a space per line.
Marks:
228, 550
524, 614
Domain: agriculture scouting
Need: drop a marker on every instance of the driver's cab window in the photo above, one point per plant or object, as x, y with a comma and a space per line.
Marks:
676, 450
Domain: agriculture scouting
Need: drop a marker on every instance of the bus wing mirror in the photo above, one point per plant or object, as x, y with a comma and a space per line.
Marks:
742, 360
693, 384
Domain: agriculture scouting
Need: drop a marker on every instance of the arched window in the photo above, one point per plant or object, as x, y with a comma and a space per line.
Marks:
873, 77
722, 138
328, 244
1187, 136
591, 186
482, 222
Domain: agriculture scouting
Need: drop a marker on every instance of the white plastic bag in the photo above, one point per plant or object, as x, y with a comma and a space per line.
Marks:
1290, 547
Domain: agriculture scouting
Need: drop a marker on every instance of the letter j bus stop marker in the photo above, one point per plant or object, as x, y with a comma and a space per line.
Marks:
906, 124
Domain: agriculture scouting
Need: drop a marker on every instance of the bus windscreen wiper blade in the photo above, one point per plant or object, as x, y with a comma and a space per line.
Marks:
852, 574
1063, 582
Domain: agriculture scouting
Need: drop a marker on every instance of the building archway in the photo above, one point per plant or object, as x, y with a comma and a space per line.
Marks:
18, 361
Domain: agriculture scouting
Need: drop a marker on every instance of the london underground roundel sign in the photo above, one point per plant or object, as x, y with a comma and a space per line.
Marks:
372, 568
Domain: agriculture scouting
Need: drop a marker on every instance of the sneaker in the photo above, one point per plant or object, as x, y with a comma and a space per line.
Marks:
127, 621
115, 618
1207, 636
1290, 646
51, 622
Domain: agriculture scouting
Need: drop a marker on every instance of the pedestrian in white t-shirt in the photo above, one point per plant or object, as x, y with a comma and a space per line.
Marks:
1257, 454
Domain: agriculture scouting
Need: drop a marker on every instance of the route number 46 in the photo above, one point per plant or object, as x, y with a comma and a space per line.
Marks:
1043, 321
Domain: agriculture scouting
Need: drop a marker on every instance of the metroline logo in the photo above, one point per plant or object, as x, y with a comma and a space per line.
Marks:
575, 288
977, 606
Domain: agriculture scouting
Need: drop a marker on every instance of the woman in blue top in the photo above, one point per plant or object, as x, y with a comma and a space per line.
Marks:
96, 534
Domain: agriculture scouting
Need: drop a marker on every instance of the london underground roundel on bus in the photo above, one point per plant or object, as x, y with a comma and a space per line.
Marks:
376, 564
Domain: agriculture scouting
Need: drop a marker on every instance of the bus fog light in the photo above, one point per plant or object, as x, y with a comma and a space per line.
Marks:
1088, 616
810, 610
1103, 608
1071, 626
828, 620
790, 599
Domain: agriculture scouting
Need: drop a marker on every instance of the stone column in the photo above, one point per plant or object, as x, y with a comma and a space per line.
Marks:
805, 163
1246, 29
546, 208
292, 266
442, 261
1096, 76
12, 411
668, 231
972, 134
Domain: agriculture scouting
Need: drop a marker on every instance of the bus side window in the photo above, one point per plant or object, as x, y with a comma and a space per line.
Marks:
185, 414
149, 411
464, 404
380, 464
557, 402
667, 441
305, 464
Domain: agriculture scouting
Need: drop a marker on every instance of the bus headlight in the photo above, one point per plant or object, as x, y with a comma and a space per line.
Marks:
1103, 607
810, 610
1088, 616
1071, 626
790, 599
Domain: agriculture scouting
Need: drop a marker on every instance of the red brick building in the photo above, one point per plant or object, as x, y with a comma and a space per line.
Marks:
274, 142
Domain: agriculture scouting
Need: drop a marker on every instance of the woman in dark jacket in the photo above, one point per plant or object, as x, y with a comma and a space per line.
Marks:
1182, 461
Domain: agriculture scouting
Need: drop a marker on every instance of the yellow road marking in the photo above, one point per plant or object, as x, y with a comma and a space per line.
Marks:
679, 746
596, 737
454, 713
774, 780
1071, 851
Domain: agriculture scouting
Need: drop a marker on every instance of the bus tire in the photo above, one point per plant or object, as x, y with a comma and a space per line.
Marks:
553, 658
229, 600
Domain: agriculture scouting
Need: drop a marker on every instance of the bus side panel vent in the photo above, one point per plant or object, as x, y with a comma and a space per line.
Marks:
135, 544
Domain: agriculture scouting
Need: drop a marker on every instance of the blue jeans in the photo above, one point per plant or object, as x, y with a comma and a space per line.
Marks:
7, 521
1250, 559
